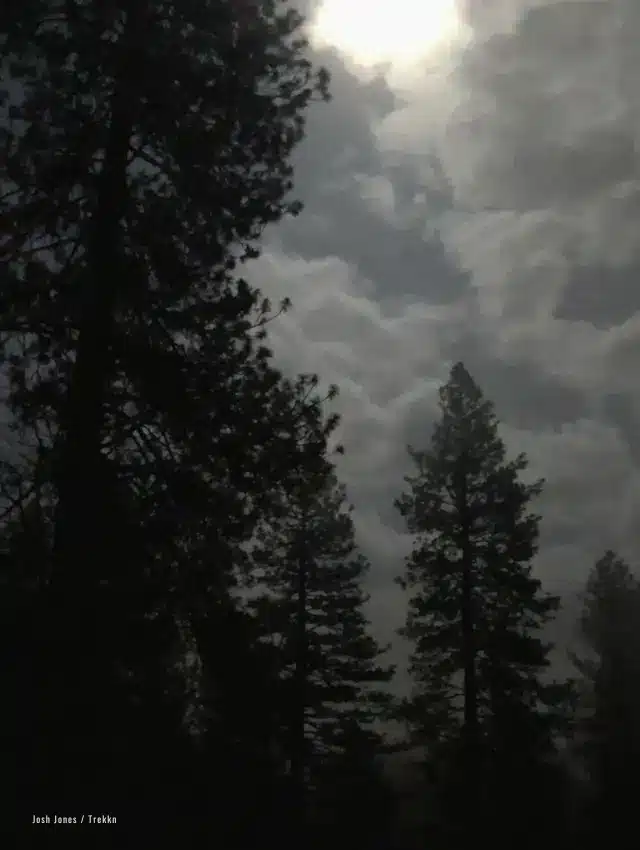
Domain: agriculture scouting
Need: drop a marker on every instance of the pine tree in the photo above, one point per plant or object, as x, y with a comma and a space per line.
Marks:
310, 603
195, 542
146, 150
475, 610
609, 725
146, 147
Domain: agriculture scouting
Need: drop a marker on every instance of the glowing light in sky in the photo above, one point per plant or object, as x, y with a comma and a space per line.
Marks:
398, 31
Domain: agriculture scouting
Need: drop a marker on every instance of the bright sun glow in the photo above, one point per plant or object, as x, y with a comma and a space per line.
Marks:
397, 31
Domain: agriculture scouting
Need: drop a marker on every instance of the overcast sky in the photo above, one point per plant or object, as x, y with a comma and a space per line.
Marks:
482, 205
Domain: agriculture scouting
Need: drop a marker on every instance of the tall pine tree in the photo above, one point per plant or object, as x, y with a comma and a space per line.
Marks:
145, 148
309, 600
475, 610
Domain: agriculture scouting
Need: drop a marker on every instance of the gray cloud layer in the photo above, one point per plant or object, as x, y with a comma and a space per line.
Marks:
518, 253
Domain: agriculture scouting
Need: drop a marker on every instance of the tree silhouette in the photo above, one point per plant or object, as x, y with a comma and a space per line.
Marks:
309, 601
155, 151
145, 147
479, 702
609, 727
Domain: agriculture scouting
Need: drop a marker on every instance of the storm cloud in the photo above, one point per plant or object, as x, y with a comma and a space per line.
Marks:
484, 210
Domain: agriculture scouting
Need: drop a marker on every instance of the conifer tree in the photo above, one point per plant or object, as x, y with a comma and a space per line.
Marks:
309, 601
192, 550
145, 147
475, 610
609, 717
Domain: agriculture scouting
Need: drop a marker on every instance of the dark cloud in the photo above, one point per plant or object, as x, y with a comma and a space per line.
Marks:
397, 256
545, 116
340, 138
516, 251
396, 259
603, 295
623, 411
526, 397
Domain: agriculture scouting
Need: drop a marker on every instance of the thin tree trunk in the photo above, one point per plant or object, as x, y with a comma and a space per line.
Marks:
468, 630
299, 753
471, 736
470, 682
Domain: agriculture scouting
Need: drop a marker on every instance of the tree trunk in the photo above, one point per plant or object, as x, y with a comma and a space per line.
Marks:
80, 524
471, 737
469, 656
299, 754
468, 627
79, 703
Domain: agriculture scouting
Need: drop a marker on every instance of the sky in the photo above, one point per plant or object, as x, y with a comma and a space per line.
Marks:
474, 198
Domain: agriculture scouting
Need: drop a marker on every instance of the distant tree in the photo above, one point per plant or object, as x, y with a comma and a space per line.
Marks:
309, 601
609, 719
480, 703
